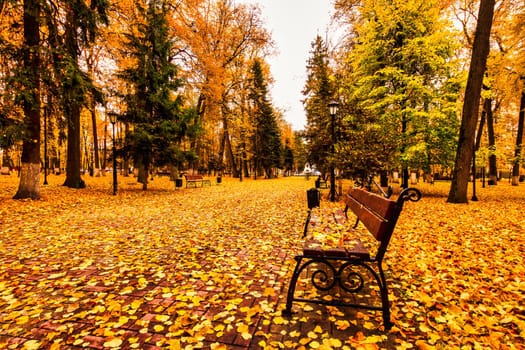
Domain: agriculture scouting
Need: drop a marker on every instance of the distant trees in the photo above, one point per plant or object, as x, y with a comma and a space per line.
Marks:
181, 91
219, 42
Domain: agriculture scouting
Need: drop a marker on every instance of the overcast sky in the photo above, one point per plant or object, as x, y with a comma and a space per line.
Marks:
293, 24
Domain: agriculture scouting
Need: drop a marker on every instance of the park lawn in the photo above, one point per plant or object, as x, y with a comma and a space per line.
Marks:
209, 268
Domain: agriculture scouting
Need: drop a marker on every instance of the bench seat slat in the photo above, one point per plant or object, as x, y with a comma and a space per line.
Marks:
357, 251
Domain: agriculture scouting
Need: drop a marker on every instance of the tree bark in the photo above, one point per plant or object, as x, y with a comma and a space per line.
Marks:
519, 142
95, 139
493, 165
469, 118
72, 106
29, 185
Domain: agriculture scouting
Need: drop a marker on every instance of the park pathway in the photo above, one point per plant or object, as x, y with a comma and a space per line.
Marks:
208, 268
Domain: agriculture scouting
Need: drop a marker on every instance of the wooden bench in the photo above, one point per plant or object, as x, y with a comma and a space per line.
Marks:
193, 180
339, 270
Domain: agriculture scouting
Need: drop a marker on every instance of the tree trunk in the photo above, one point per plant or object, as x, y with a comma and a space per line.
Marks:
229, 153
125, 155
29, 185
142, 176
519, 142
95, 139
493, 165
220, 156
105, 151
469, 118
226, 144
73, 178
479, 132
72, 106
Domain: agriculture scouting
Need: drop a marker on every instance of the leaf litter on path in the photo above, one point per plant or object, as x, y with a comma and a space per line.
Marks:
209, 268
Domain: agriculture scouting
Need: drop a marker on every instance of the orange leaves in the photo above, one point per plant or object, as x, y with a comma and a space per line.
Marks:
362, 342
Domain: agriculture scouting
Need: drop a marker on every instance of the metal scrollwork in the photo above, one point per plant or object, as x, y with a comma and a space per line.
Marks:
350, 280
410, 194
324, 277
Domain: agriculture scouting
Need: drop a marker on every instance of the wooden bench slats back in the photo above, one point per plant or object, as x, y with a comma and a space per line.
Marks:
373, 211
193, 180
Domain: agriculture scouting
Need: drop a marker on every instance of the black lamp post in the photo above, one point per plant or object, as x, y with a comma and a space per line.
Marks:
45, 141
333, 106
113, 120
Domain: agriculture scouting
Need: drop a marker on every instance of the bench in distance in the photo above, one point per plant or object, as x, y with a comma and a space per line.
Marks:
193, 180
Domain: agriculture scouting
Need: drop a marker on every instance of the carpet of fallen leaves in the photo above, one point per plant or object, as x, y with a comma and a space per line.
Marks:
209, 268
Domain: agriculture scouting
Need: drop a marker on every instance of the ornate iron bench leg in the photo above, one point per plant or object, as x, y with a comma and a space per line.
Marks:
291, 287
307, 222
384, 298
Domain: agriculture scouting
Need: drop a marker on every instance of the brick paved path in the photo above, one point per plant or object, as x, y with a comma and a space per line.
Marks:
197, 268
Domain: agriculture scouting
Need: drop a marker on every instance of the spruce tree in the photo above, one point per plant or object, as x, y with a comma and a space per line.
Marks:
267, 137
152, 108
318, 92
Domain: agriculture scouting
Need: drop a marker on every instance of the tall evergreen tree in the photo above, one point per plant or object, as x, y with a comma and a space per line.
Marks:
267, 137
82, 19
318, 92
29, 185
152, 108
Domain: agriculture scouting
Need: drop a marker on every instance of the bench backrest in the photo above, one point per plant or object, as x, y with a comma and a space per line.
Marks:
377, 213
374, 211
193, 177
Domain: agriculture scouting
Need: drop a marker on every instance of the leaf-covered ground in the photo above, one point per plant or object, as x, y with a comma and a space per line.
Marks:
209, 268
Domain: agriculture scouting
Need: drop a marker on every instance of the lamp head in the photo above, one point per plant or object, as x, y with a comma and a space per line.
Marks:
333, 106
112, 117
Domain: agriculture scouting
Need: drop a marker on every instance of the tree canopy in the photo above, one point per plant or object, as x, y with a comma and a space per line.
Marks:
181, 75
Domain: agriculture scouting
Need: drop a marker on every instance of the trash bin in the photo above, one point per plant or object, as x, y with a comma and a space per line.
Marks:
178, 183
313, 198
219, 179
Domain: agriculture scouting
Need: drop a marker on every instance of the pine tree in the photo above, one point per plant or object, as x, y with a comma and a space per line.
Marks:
266, 138
29, 186
318, 92
152, 109
81, 27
